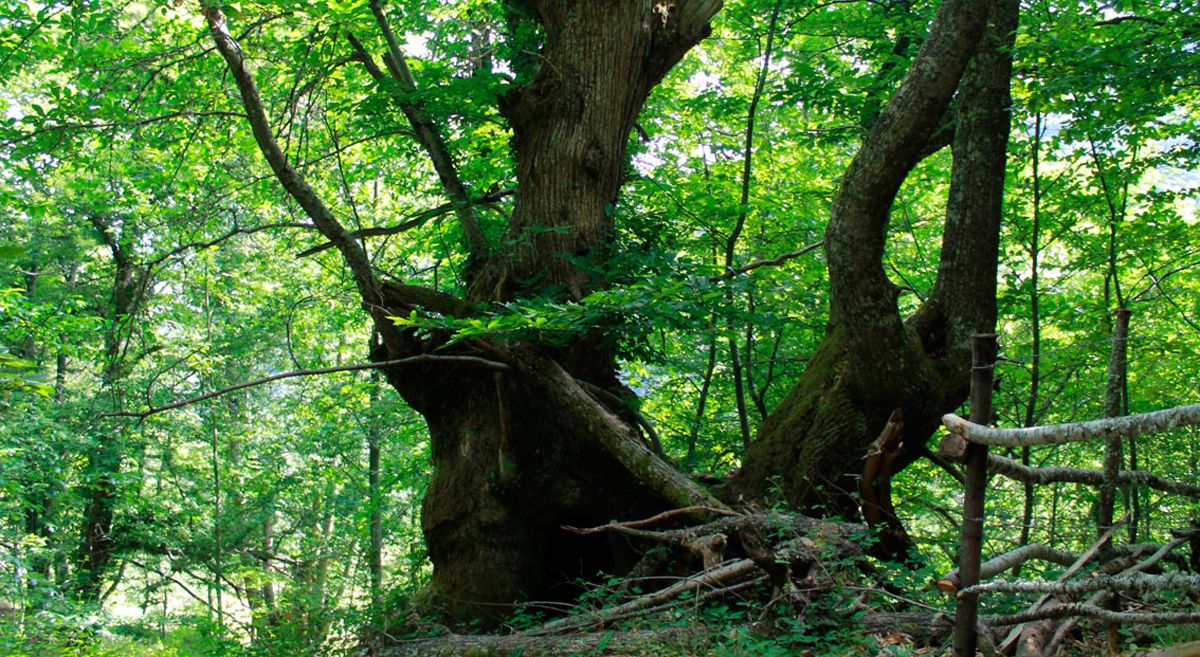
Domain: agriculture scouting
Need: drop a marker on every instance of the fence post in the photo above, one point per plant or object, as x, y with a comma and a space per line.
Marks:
970, 555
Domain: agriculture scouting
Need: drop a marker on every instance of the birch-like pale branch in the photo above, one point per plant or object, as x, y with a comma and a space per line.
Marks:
1134, 583
1037, 607
1087, 555
1000, 563
1048, 475
1092, 611
1127, 426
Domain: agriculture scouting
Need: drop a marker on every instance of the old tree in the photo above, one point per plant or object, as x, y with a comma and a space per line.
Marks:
507, 327
528, 436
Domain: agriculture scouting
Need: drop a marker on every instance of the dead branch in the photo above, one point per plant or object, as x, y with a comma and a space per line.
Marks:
1041, 628
1073, 610
1015, 470
790, 557
1133, 583
665, 515
844, 535
1128, 555
1015, 634
457, 645
996, 565
922, 628
875, 486
1124, 427
717, 577
1182, 650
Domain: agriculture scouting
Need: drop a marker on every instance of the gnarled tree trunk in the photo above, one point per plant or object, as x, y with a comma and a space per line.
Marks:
872, 361
521, 449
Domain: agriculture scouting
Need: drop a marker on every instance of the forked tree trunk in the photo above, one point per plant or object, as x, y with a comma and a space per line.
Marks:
519, 453
521, 449
871, 362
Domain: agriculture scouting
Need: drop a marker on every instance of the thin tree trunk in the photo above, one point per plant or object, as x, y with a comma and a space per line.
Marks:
983, 362
103, 462
1114, 403
375, 504
702, 400
1113, 397
735, 359
1035, 321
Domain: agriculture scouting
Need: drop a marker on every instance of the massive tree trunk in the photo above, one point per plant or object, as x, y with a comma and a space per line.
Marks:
526, 437
533, 441
511, 467
872, 361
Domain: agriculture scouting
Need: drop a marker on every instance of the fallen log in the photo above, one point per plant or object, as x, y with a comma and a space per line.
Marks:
1182, 650
590, 643
920, 628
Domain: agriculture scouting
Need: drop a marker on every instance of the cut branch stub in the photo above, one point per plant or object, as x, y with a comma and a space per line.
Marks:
953, 448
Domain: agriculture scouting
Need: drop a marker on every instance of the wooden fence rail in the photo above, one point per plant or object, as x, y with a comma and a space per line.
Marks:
968, 443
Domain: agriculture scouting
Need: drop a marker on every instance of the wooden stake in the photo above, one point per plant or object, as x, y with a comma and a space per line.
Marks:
983, 358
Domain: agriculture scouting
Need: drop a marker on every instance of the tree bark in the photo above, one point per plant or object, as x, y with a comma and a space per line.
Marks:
872, 361
103, 460
518, 454
1057, 434
1114, 403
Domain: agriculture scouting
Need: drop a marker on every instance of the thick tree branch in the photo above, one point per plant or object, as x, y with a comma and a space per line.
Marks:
292, 181
963, 300
1071, 610
561, 391
996, 565
860, 293
1130, 425
1132, 583
677, 26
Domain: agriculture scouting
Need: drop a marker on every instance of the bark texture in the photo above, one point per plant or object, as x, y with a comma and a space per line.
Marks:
521, 452
1056, 434
872, 360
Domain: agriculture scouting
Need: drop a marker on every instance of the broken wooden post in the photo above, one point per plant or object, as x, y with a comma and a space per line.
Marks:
970, 555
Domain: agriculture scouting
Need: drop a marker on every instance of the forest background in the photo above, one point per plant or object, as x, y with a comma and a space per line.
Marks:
148, 257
